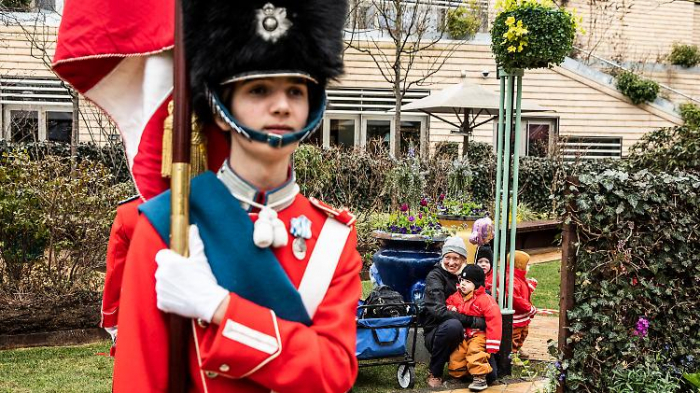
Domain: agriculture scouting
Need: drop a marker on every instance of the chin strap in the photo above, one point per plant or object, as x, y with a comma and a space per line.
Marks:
273, 140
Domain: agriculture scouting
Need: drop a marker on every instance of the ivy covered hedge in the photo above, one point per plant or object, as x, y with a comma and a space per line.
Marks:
637, 291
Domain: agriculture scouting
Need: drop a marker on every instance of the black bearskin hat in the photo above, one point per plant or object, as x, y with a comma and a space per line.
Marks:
474, 274
230, 38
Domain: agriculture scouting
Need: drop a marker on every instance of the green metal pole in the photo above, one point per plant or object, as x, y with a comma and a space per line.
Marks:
499, 158
505, 178
516, 168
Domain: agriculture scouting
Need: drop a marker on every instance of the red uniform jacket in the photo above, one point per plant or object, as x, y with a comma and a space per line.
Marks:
119, 239
253, 350
480, 305
522, 298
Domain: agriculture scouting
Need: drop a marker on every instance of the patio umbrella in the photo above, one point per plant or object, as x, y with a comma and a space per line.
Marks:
469, 102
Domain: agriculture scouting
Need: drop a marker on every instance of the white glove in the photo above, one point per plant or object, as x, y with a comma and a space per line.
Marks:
112, 332
186, 285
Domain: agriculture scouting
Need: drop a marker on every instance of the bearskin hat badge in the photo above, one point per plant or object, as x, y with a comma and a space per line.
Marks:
229, 40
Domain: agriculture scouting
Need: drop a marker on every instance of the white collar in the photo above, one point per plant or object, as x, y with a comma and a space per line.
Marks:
249, 196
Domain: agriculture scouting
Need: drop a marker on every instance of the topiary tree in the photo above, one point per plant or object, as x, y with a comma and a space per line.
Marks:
530, 34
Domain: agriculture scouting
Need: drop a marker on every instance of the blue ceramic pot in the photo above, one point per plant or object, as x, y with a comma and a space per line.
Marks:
403, 262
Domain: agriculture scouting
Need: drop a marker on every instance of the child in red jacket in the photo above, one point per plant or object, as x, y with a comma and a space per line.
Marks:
522, 302
472, 355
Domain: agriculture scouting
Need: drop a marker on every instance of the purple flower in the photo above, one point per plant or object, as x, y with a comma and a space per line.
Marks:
420, 215
404, 207
404, 231
561, 377
393, 228
642, 327
411, 219
424, 202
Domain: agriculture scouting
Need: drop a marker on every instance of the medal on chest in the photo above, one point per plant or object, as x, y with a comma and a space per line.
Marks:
300, 228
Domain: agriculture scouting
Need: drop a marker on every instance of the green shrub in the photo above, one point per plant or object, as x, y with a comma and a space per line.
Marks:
55, 223
636, 88
690, 114
532, 34
667, 149
15, 5
464, 21
110, 155
684, 55
645, 378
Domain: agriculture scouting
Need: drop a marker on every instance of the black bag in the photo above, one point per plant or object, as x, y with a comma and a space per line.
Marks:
388, 304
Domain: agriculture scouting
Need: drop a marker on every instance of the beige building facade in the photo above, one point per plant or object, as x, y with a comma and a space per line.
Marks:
586, 114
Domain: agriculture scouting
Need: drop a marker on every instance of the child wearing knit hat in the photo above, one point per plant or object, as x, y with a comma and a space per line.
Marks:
522, 302
472, 355
484, 259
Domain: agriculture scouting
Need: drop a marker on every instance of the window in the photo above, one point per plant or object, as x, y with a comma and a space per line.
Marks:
538, 139
24, 126
35, 110
342, 132
45, 5
538, 136
59, 126
590, 147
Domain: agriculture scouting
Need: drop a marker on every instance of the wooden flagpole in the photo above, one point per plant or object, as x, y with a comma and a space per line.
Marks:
180, 195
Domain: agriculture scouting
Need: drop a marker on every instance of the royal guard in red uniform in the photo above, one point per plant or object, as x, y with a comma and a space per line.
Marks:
117, 248
271, 282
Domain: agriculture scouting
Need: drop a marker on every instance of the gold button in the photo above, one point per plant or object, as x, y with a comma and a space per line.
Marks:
202, 323
224, 368
211, 374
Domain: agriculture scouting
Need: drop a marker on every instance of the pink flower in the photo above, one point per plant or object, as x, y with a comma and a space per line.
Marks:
442, 197
424, 202
404, 207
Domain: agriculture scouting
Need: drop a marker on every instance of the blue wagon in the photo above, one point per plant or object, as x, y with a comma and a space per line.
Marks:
383, 341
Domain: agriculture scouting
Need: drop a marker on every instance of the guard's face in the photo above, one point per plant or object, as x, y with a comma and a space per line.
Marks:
453, 262
484, 264
274, 105
466, 286
277, 105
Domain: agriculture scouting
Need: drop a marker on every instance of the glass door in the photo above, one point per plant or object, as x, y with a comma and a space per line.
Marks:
341, 130
376, 133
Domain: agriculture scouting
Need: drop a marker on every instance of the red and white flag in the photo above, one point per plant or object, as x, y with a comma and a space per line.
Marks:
118, 54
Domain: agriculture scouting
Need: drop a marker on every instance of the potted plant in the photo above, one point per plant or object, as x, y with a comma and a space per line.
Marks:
410, 241
530, 34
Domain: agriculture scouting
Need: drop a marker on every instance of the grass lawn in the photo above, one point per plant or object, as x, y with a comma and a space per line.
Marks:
56, 369
548, 278
80, 369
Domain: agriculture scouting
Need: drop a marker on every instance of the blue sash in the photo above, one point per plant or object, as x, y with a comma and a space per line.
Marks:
227, 232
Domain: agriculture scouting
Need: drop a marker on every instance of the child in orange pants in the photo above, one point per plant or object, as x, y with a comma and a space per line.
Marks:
472, 355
